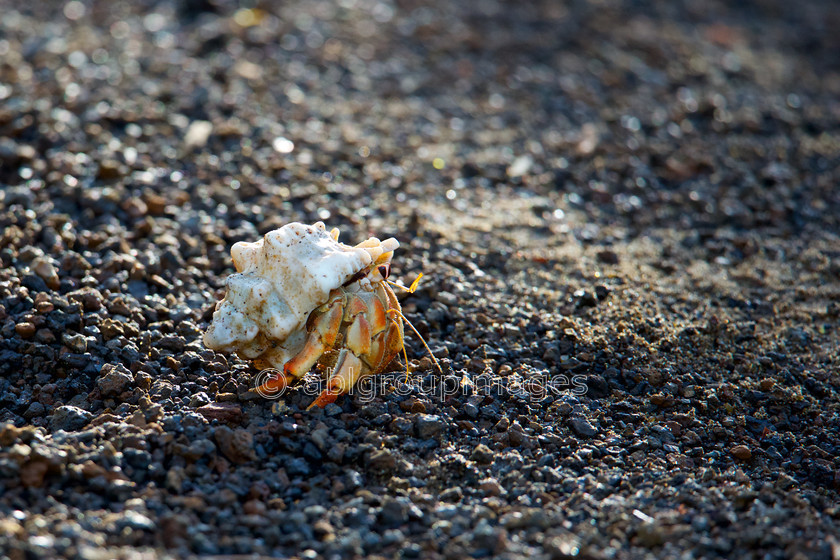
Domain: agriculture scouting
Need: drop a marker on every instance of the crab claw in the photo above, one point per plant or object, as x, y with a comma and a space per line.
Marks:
326, 397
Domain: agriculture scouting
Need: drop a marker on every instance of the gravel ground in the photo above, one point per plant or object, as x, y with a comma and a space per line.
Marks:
627, 214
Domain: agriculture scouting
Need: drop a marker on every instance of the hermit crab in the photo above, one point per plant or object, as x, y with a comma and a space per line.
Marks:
299, 296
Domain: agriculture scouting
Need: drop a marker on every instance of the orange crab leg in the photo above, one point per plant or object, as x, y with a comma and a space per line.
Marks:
358, 336
324, 333
348, 371
326, 397
306, 358
325, 329
275, 385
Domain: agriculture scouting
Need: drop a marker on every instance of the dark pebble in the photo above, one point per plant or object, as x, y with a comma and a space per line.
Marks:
381, 460
582, 427
69, 418
482, 454
429, 425
35, 283
394, 512
114, 379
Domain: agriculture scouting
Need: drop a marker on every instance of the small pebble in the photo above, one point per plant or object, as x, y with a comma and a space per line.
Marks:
482, 454
69, 418
429, 425
582, 427
236, 445
114, 379
25, 329
741, 452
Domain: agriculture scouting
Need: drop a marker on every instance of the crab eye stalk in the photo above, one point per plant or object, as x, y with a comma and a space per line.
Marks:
385, 271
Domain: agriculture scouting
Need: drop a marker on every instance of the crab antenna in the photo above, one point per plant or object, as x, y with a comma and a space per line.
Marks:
420, 336
395, 285
414, 284
411, 289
